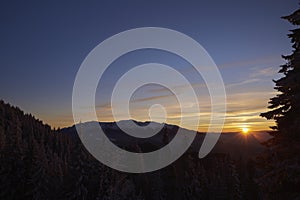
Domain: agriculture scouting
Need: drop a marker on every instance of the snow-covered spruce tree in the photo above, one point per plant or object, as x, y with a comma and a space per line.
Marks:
79, 172
235, 190
12, 170
286, 105
39, 179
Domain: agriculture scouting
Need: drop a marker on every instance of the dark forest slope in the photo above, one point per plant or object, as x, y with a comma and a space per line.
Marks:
40, 163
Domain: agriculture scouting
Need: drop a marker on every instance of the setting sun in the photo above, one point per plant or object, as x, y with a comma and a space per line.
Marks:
245, 130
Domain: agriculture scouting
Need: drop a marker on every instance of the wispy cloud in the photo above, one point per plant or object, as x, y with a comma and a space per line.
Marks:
244, 82
151, 98
177, 87
268, 60
265, 72
260, 61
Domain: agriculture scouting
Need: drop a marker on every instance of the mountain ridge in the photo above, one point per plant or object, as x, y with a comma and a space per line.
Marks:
234, 143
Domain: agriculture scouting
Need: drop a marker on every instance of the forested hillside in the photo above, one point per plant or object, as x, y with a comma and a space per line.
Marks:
40, 163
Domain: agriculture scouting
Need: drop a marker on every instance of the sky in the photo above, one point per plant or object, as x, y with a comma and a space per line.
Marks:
43, 43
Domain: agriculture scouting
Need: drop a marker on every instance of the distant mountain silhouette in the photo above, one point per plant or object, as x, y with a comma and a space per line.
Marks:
235, 144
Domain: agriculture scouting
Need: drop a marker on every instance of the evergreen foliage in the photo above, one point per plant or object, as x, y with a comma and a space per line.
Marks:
286, 104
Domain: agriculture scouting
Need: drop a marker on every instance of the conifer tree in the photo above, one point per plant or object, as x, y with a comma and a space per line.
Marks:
286, 105
39, 178
79, 174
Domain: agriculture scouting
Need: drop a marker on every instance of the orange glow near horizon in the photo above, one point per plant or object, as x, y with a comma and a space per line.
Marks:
237, 124
243, 110
245, 130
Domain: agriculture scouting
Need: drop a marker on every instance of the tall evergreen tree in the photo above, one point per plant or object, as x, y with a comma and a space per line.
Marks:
278, 168
286, 105
79, 174
39, 177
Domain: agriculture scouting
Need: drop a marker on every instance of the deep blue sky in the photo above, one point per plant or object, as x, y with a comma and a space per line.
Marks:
42, 44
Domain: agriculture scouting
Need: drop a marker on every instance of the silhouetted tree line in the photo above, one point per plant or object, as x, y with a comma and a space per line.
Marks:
40, 163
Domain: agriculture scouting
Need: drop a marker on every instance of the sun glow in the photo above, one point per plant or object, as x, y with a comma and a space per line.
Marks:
245, 130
